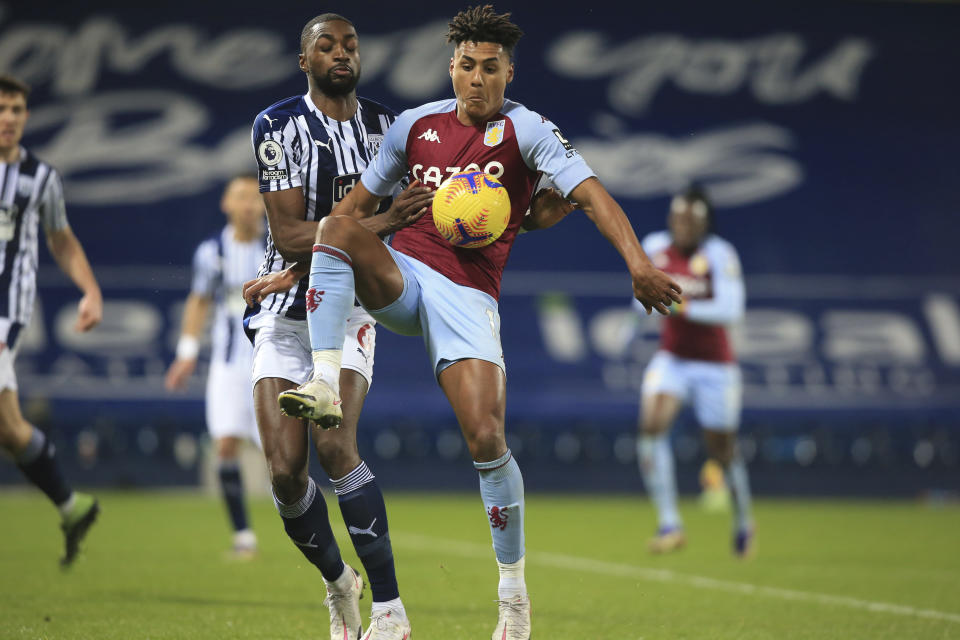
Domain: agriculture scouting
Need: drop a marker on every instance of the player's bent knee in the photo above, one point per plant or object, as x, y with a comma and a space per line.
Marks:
288, 486
486, 444
339, 231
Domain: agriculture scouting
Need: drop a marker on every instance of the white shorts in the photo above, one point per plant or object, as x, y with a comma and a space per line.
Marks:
281, 347
713, 388
230, 402
8, 377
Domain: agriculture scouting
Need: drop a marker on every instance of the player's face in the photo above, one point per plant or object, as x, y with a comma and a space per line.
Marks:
13, 117
688, 223
333, 61
480, 73
243, 204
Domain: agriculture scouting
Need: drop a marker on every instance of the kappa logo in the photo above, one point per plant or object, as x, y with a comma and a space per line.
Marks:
308, 544
498, 517
430, 136
269, 120
314, 298
326, 145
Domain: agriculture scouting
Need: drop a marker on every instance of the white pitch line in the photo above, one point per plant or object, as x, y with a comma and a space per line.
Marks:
577, 563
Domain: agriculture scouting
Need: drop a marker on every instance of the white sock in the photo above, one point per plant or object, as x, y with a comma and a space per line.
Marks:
512, 583
395, 605
326, 366
67, 505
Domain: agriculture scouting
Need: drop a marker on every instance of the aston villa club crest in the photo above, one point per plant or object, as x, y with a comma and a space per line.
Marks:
494, 134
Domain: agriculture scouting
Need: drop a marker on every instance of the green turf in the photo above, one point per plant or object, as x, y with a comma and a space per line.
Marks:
154, 567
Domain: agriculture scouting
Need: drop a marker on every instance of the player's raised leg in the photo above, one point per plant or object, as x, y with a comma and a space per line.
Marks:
476, 390
344, 248
35, 455
303, 509
655, 457
363, 509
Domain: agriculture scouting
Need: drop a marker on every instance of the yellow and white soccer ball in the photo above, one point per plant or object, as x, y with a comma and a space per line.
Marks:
471, 209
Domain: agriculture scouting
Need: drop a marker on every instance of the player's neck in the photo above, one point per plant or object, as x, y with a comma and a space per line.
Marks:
340, 108
10, 154
467, 120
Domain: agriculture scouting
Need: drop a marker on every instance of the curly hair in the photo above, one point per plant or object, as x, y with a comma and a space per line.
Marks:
482, 24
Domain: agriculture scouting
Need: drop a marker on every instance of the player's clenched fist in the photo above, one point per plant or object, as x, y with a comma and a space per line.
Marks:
655, 290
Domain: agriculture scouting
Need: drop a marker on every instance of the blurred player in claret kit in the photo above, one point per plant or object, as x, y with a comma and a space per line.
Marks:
221, 265
694, 365
310, 150
423, 285
31, 194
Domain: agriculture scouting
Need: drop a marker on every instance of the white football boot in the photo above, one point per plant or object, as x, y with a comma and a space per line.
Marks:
345, 620
514, 621
314, 400
390, 625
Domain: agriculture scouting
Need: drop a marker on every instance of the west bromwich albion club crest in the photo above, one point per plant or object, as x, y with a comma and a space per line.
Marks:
494, 134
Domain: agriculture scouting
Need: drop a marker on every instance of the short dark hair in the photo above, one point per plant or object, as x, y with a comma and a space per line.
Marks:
11, 84
482, 24
308, 29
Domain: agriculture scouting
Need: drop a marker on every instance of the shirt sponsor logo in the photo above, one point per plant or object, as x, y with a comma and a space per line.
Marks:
273, 174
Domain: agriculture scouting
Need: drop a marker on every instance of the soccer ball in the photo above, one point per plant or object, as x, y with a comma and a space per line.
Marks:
471, 209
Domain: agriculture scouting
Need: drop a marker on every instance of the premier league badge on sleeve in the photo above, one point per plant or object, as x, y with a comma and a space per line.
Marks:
494, 134
270, 153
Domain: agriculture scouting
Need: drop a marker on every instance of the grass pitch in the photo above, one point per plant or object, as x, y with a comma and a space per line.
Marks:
154, 567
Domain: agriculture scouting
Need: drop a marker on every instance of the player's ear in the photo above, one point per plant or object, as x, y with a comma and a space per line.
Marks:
302, 59
451, 67
510, 73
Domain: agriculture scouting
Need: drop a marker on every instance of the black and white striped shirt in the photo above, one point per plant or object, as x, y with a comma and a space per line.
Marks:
297, 146
30, 193
221, 265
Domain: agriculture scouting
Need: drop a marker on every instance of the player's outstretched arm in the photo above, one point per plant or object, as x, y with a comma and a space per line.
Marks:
72, 260
195, 312
653, 288
408, 207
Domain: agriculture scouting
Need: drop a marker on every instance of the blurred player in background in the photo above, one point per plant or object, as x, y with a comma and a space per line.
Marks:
311, 150
694, 365
423, 285
31, 194
221, 265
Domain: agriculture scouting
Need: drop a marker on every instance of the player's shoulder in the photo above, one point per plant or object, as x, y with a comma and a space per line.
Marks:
279, 113
410, 116
376, 107
524, 118
656, 241
30, 163
718, 246
212, 245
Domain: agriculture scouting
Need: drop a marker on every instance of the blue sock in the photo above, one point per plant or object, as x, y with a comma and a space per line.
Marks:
739, 483
656, 466
37, 461
231, 486
329, 298
308, 526
365, 515
501, 488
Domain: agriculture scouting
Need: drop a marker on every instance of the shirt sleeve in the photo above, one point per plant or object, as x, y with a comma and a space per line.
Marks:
729, 294
53, 211
206, 270
278, 147
545, 149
